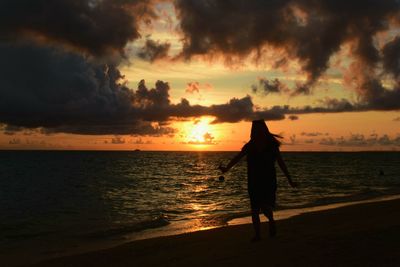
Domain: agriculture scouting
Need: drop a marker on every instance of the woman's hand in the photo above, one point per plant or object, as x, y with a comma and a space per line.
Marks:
223, 169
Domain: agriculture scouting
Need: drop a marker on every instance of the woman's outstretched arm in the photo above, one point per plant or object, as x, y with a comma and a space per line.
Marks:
283, 167
233, 162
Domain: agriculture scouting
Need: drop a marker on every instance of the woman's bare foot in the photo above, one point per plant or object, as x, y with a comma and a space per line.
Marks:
272, 229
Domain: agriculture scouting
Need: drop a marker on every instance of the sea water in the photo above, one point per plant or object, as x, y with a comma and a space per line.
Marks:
56, 202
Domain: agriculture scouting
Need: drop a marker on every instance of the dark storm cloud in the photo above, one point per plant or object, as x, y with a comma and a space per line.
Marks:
376, 97
95, 26
241, 109
48, 87
235, 110
309, 31
59, 68
338, 105
153, 50
58, 91
378, 100
266, 86
63, 91
391, 57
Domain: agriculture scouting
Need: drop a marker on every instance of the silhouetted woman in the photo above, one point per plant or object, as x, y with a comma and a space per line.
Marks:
262, 151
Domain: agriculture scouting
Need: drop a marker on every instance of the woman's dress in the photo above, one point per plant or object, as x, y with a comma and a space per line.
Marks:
261, 174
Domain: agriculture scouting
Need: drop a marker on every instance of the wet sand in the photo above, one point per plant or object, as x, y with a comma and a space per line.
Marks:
358, 235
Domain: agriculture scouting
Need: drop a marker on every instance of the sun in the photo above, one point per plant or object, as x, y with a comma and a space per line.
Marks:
200, 132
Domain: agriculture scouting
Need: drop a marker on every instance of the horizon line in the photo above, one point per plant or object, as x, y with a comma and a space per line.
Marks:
149, 150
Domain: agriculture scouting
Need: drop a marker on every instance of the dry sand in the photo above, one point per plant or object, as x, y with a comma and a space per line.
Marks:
358, 235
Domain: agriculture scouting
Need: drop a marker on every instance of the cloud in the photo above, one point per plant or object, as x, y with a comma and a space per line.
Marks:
379, 101
117, 140
153, 50
359, 140
337, 104
33, 143
309, 32
193, 87
10, 130
96, 27
396, 119
14, 141
269, 86
140, 141
313, 134
391, 55
208, 138
235, 110
293, 117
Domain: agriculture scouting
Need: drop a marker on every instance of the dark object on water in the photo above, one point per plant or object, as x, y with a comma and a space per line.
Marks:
381, 172
137, 150
221, 178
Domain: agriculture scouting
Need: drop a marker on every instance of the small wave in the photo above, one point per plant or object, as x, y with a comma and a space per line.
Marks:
363, 194
222, 219
130, 228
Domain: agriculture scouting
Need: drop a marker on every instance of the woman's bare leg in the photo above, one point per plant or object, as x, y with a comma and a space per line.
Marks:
270, 215
256, 223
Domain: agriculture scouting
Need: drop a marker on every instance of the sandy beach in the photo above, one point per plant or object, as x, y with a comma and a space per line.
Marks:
356, 235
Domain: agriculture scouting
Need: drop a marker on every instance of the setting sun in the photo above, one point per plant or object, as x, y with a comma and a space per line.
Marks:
200, 132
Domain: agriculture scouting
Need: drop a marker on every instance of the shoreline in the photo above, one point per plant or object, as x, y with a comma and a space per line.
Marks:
289, 213
320, 212
178, 228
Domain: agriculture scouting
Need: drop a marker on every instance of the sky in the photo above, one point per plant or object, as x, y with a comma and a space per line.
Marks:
193, 74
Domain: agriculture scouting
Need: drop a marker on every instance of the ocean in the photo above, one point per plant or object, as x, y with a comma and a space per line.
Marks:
59, 202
